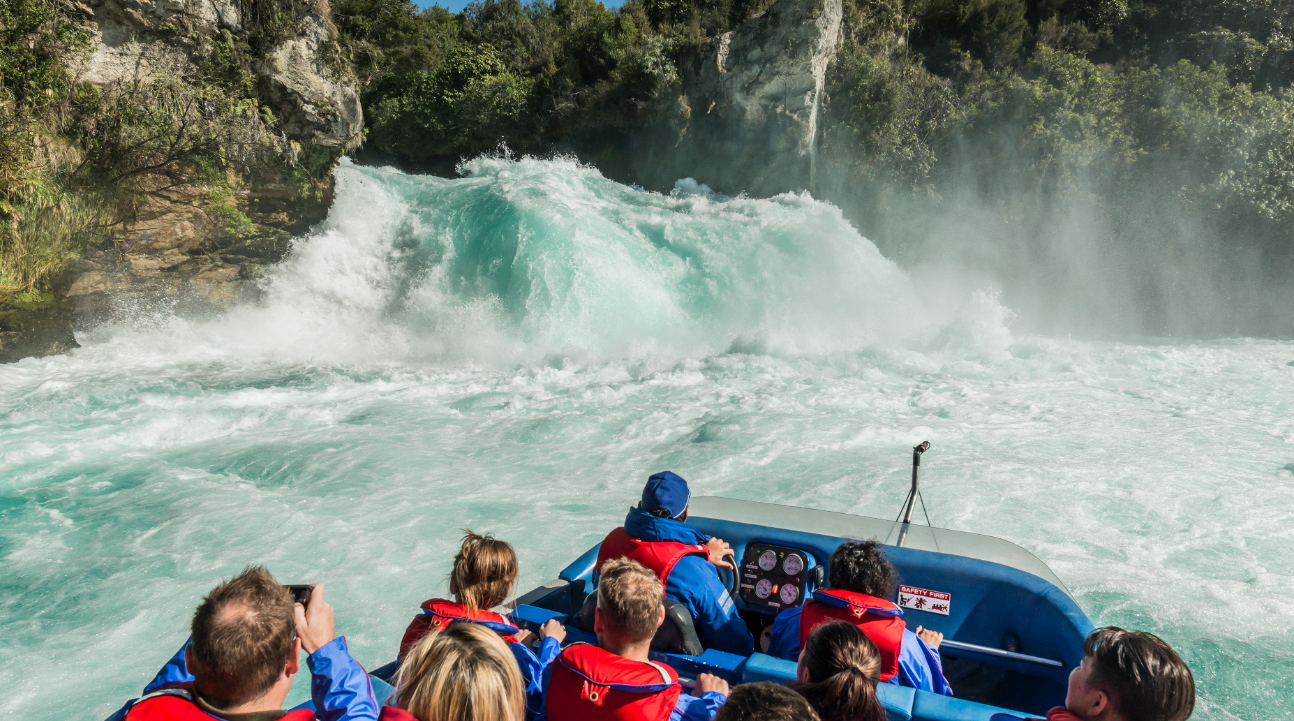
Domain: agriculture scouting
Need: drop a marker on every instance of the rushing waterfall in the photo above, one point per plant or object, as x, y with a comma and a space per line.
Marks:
516, 350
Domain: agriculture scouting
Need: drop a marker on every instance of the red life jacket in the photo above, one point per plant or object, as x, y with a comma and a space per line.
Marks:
176, 703
589, 683
877, 618
438, 613
395, 713
659, 557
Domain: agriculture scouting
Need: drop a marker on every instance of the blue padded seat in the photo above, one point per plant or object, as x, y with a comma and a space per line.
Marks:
933, 707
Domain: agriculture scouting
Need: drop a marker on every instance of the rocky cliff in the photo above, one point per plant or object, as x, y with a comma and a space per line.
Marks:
139, 39
747, 116
177, 247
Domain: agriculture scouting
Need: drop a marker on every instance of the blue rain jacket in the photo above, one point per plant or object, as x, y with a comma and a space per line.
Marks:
339, 686
532, 671
695, 583
919, 665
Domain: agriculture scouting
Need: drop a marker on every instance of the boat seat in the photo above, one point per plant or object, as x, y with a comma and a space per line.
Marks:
676, 635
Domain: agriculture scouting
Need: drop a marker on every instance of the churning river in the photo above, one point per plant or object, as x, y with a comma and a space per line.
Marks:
516, 350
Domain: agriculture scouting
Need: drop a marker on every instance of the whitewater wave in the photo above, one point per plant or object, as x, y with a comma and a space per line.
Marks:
523, 259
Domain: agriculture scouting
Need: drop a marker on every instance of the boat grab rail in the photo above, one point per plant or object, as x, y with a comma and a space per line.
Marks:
1001, 653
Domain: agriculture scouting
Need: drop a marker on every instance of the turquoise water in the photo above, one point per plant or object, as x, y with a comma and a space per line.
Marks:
516, 350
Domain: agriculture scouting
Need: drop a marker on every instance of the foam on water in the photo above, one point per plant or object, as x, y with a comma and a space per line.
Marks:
516, 350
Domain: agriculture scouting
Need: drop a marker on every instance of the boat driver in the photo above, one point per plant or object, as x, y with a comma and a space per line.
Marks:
862, 579
656, 535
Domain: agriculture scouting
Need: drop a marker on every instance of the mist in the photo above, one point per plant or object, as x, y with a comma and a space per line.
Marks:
1117, 250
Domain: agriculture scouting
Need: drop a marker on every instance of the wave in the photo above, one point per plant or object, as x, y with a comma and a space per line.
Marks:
528, 258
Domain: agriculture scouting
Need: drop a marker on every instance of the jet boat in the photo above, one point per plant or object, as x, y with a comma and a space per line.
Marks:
1012, 633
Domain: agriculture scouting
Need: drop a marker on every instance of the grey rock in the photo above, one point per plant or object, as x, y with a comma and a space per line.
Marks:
35, 333
142, 39
746, 119
315, 105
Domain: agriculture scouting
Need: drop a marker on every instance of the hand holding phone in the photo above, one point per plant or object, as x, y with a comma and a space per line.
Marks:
315, 625
300, 593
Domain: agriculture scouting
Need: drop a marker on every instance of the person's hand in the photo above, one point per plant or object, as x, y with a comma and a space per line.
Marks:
553, 629
719, 548
705, 683
525, 638
315, 626
932, 638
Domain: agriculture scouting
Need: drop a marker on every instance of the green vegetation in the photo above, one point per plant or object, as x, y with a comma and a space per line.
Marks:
1153, 115
1041, 116
442, 84
77, 161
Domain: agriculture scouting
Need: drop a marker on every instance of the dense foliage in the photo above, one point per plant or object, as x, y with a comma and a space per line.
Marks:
441, 84
1170, 121
1044, 120
76, 160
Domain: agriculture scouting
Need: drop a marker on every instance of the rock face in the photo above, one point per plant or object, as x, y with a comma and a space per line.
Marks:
136, 39
36, 330
176, 252
173, 255
314, 106
747, 117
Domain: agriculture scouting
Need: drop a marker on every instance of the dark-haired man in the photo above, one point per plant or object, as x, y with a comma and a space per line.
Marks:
1125, 676
862, 582
765, 701
245, 646
656, 535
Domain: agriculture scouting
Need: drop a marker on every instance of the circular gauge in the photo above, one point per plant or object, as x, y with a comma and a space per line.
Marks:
767, 561
793, 565
789, 593
764, 588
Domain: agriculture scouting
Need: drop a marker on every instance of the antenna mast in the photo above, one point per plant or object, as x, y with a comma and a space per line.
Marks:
910, 504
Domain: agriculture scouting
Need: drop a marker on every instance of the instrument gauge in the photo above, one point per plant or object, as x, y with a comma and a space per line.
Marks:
793, 565
767, 561
764, 588
789, 593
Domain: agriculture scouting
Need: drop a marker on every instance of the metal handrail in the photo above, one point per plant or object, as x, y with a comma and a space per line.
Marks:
1001, 653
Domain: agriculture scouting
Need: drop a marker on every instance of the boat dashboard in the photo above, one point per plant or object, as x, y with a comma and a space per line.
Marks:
773, 578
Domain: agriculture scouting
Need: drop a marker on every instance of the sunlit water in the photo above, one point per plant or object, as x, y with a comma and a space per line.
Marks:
517, 350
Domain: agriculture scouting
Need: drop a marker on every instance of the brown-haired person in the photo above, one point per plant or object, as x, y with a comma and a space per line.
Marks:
616, 680
244, 649
484, 572
837, 673
464, 673
765, 701
862, 583
1126, 676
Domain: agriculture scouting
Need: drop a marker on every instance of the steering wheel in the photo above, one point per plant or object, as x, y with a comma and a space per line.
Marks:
736, 577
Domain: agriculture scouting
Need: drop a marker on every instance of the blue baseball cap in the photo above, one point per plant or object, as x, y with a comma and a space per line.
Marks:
666, 490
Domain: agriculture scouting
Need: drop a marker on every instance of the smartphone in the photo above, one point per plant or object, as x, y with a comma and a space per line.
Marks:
300, 593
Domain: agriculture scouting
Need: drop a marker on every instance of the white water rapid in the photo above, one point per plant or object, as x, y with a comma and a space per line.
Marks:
515, 351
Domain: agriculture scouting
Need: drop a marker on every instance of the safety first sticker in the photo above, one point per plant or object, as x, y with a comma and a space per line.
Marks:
922, 599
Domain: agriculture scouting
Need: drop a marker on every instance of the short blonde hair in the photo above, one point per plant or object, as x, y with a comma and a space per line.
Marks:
630, 598
464, 673
484, 571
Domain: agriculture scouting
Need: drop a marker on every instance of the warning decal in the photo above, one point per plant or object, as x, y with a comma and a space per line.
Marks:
921, 599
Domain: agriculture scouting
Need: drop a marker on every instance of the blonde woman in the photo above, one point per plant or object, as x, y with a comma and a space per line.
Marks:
463, 673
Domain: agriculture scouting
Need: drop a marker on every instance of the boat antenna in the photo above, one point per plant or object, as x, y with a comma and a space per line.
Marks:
914, 494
